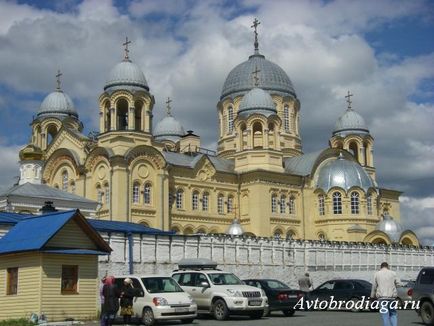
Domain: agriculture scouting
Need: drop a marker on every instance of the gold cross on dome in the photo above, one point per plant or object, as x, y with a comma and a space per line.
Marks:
168, 108
255, 76
127, 42
348, 97
256, 22
58, 78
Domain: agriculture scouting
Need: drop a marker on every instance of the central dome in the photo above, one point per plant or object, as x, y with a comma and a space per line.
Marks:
57, 103
272, 78
126, 75
257, 101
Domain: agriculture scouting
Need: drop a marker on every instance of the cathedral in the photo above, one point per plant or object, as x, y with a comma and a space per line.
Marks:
257, 182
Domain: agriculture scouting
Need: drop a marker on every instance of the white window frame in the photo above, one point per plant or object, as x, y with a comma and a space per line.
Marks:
65, 180
355, 203
230, 119
147, 194
291, 205
220, 202
321, 205
274, 203
369, 204
205, 201
195, 200
136, 193
337, 203
179, 198
286, 118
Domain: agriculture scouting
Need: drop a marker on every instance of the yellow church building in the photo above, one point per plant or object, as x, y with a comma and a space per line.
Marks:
258, 179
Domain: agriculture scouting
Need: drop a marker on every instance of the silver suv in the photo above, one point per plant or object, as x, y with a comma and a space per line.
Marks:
423, 292
217, 292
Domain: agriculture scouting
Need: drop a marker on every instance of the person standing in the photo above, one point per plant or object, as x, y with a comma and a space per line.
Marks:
384, 289
126, 302
111, 295
101, 297
305, 283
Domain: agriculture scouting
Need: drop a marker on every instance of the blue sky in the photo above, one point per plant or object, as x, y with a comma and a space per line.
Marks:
380, 50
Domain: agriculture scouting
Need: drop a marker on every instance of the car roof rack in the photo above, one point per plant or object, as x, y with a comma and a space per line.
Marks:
197, 264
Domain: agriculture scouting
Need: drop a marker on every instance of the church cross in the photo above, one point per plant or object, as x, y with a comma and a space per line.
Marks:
168, 108
127, 42
59, 74
255, 76
348, 97
256, 22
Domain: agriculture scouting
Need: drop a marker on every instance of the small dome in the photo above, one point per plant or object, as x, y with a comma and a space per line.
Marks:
235, 228
389, 226
126, 75
344, 174
272, 78
257, 101
57, 104
350, 123
168, 128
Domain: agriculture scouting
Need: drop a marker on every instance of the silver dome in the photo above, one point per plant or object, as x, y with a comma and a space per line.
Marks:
349, 123
168, 128
57, 104
272, 78
235, 228
257, 101
391, 227
126, 75
344, 174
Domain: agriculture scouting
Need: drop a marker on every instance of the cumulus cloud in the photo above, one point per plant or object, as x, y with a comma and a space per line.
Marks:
417, 215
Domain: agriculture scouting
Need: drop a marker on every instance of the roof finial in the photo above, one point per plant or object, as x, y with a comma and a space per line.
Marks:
168, 108
59, 88
127, 58
256, 22
255, 76
348, 97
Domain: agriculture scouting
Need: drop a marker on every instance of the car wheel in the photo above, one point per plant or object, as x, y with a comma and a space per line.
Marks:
256, 314
187, 321
289, 312
220, 310
148, 317
355, 300
427, 313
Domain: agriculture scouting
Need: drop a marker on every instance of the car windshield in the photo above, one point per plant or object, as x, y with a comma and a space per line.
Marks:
161, 285
275, 284
224, 279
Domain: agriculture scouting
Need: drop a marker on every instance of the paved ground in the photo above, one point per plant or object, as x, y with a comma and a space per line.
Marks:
301, 318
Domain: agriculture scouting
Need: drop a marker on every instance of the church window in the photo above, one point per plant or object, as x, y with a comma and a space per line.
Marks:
337, 203
273, 203
230, 119
230, 204
322, 237
286, 118
282, 204
321, 206
205, 203
107, 193
147, 194
99, 194
65, 181
136, 193
73, 187
290, 235
220, 204
291, 205
195, 200
369, 204
179, 198
122, 114
355, 203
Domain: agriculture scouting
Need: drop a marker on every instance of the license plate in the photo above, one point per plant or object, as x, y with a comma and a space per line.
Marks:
255, 302
181, 309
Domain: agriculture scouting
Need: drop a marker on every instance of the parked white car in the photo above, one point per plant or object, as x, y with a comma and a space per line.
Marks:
160, 298
217, 292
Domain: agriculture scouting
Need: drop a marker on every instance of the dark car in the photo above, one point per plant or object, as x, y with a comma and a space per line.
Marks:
423, 294
345, 290
280, 296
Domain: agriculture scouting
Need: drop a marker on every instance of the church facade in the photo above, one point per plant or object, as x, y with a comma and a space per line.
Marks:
259, 177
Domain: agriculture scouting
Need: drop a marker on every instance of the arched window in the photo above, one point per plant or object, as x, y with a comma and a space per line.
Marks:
205, 198
291, 205
122, 114
65, 180
73, 187
195, 200
107, 193
179, 198
290, 235
337, 203
282, 204
147, 194
51, 133
354, 149
230, 119
278, 234
136, 193
230, 204
355, 203
286, 118
369, 204
138, 105
322, 237
99, 194
321, 208
220, 200
273, 203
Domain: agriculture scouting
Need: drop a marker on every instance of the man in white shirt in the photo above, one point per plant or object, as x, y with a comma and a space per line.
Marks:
384, 289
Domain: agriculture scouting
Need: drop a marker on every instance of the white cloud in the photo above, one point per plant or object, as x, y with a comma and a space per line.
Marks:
8, 165
418, 215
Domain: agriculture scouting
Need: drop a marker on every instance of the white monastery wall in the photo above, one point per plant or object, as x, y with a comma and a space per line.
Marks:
263, 258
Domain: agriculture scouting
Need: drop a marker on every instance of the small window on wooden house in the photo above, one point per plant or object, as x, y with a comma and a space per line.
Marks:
12, 281
69, 279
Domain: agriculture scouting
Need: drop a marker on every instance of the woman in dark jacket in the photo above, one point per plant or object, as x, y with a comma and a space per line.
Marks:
127, 296
111, 300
